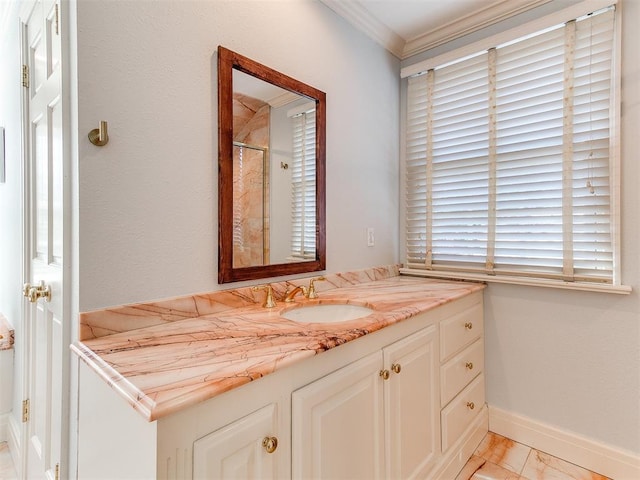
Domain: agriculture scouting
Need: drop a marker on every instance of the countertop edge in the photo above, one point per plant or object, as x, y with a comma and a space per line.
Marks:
134, 396
152, 409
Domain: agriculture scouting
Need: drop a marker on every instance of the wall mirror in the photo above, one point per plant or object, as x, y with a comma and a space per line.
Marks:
271, 172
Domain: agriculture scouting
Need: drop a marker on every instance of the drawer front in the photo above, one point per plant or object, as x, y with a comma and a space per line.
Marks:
460, 330
459, 414
460, 370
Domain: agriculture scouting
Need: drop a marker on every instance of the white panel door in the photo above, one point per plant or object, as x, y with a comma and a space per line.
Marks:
245, 449
338, 424
47, 337
412, 404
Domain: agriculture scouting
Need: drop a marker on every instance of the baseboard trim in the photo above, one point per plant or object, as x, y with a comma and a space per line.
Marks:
4, 425
14, 436
604, 459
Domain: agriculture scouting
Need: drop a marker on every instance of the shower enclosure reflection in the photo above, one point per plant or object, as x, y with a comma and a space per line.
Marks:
250, 205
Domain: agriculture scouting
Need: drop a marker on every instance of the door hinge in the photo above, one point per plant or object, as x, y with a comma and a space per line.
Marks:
25, 410
25, 76
57, 472
57, 13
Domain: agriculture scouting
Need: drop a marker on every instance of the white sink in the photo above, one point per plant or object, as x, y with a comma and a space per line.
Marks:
326, 313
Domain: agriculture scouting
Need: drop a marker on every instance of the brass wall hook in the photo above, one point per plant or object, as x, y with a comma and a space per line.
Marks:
99, 136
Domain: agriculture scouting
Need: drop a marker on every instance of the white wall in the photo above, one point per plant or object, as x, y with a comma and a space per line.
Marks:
572, 359
148, 200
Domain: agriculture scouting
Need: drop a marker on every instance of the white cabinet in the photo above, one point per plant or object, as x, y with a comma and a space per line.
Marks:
338, 424
460, 370
333, 414
244, 449
411, 404
462, 394
460, 413
375, 418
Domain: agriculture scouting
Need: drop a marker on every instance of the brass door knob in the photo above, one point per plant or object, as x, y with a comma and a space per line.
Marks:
469, 365
396, 367
471, 405
384, 374
270, 444
33, 293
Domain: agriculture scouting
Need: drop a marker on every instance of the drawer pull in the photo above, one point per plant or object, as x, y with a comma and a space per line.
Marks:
396, 367
270, 444
468, 325
471, 405
384, 374
469, 365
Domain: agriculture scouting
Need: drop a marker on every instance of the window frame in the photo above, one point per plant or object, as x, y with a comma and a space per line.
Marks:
301, 120
567, 14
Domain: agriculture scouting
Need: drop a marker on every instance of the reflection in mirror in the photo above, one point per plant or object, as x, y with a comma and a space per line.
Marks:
250, 200
271, 172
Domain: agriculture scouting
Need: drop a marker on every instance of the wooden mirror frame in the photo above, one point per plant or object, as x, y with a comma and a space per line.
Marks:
227, 62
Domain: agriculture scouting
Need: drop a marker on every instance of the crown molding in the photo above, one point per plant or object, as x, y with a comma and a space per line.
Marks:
283, 99
355, 13
472, 22
359, 17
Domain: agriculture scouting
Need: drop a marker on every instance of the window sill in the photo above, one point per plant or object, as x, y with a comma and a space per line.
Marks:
530, 282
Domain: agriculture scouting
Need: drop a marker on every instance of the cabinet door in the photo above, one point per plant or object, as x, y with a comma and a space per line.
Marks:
412, 404
337, 424
237, 451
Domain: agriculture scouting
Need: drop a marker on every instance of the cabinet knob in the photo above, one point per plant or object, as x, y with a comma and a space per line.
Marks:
469, 365
384, 374
270, 444
396, 367
468, 325
471, 405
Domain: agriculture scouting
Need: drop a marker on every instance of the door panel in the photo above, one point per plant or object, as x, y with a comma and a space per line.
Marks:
412, 405
236, 450
46, 355
338, 424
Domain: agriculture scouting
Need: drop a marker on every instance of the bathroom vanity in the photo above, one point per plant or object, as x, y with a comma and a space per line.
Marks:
217, 386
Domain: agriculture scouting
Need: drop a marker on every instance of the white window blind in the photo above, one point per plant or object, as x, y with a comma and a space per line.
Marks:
508, 158
303, 185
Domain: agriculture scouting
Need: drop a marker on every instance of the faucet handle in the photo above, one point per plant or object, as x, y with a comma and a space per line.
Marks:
312, 288
269, 302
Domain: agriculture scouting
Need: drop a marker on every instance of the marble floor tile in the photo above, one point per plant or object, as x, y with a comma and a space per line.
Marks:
471, 467
503, 452
542, 466
7, 472
505, 459
491, 471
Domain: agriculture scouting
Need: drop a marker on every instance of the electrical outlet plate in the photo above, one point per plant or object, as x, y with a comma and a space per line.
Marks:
371, 239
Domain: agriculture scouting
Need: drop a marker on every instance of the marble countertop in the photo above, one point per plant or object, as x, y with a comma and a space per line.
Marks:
6, 334
169, 360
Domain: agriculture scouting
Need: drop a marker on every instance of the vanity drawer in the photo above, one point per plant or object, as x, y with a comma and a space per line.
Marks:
460, 330
459, 414
460, 370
